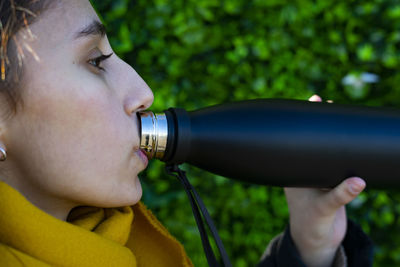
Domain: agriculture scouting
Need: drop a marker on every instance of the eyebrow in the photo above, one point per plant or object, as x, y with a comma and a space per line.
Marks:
94, 28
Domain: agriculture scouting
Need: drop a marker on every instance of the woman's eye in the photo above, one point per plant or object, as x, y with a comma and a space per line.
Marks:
96, 62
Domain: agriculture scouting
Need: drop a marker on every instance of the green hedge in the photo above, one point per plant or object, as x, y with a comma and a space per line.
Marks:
203, 52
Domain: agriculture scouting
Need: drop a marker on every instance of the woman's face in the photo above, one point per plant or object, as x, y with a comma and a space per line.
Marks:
76, 139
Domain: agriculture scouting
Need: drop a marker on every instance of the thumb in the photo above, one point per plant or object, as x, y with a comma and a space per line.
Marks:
342, 194
315, 98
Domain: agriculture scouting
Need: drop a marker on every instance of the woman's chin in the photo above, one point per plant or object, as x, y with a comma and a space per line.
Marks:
125, 195
133, 195
138, 192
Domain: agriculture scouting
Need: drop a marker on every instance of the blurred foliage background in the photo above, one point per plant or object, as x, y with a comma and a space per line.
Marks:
195, 53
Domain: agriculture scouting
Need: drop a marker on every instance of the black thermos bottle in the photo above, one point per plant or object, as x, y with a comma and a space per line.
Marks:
280, 142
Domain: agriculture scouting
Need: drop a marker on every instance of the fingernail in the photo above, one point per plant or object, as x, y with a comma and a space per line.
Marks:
355, 185
315, 98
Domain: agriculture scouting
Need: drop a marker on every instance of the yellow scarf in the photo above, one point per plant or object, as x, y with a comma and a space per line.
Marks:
128, 236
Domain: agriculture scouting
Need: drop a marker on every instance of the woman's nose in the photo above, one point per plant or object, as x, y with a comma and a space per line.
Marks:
140, 100
137, 95
147, 99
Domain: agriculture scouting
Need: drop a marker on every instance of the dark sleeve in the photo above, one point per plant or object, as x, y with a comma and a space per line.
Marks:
282, 252
356, 250
357, 246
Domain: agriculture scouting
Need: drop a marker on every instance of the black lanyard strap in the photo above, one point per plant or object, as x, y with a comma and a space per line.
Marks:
199, 209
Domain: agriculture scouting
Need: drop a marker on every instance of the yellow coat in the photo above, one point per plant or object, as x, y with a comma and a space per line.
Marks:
128, 236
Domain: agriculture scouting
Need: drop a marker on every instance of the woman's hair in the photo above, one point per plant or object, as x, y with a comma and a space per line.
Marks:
15, 15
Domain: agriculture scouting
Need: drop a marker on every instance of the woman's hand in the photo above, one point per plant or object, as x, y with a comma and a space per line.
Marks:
318, 218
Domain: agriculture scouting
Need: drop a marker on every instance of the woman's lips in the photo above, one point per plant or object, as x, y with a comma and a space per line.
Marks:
143, 157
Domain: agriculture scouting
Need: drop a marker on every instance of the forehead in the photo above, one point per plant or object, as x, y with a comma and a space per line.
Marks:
63, 20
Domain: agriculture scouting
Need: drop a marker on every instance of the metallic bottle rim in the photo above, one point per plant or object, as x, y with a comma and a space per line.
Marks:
154, 134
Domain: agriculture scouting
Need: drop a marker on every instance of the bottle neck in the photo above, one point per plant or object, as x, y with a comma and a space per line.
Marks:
154, 134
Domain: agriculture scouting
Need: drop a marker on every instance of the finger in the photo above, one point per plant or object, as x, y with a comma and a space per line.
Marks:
342, 194
315, 98
302, 196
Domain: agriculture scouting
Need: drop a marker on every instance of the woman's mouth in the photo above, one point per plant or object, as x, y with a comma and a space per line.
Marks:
143, 157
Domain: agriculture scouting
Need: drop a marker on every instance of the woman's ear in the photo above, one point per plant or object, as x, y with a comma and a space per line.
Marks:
4, 118
7, 112
3, 151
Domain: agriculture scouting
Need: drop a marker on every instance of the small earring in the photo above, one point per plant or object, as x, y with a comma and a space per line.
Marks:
3, 156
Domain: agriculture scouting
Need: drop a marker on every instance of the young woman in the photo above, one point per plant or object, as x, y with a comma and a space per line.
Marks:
69, 143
